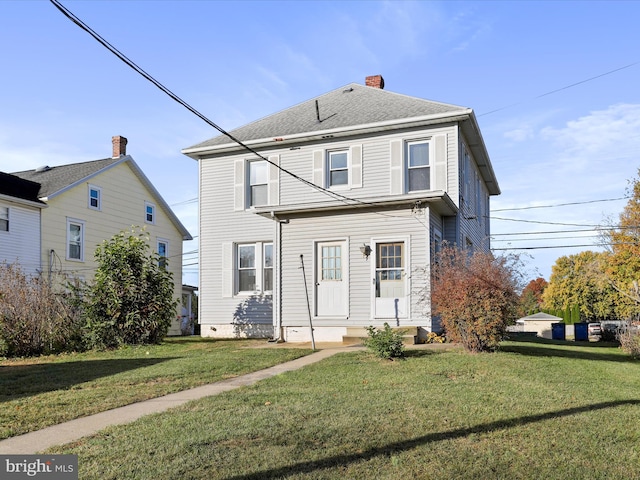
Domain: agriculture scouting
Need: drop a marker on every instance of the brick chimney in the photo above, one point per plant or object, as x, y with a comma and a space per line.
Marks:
119, 146
375, 81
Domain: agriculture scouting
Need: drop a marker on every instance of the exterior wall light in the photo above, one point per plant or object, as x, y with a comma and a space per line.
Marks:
366, 250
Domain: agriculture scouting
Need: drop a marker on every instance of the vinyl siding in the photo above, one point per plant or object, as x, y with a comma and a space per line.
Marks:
223, 225
123, 199
21, 244
375, 168
299, 237
473, 221
221, 228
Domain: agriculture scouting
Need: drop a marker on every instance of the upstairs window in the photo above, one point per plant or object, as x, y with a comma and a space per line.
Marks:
338, 163
95, 197
418, 167
258, 183
150, 212
4, 219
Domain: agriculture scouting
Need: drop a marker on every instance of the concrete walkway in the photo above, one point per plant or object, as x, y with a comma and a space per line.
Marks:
67, 432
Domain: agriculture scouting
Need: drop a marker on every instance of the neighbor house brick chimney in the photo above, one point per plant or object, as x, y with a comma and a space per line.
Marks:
119, 146
375, 81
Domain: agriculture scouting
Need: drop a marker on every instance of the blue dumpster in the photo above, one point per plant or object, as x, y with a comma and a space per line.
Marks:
557, 331
581, 330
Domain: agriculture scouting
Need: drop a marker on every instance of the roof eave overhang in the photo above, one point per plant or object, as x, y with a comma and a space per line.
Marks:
471, 130
437, 199
319, 135
23, 201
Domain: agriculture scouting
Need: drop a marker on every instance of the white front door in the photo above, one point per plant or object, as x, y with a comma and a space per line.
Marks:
390, 282
331, 281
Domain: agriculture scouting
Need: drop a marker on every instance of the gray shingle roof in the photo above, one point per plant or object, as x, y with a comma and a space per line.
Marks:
344, 107
56, 179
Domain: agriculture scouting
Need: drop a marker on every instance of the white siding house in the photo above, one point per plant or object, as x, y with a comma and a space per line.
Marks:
92, 201
20, 223
360, 186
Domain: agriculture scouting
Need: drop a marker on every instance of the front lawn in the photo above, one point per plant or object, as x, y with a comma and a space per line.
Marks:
38, 392
533, 410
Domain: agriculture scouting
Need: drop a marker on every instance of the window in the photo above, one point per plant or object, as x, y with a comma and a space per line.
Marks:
331, 262
163, 253
4, 219
246, 268
95, 198
75, 240
267, 268
338, 163
418, 169
254, 267
150, 212
258, 183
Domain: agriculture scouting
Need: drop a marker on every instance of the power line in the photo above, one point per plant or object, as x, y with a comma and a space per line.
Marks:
559, 204
562, 88
544, 223
67, 13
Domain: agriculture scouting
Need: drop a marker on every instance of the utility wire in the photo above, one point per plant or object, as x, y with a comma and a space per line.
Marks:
562, 88
67, 13
558, 204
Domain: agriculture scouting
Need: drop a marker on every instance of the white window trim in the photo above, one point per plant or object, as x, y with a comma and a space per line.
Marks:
99, 190
258, 248
8, 230
264, 267
430, 165
248, 196
75, 221
153, 220
407, 271
327, 180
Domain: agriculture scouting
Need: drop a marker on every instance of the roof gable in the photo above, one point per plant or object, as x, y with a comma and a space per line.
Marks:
351, 105
57, 180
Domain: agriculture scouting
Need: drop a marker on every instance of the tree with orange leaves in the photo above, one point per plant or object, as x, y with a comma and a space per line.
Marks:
475, 296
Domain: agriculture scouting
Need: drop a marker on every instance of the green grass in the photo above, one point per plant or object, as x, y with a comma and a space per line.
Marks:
35, 393
533, 410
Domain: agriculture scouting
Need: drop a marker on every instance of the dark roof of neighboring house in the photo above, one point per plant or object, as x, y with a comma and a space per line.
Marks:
14, 186
54, 180
344, 107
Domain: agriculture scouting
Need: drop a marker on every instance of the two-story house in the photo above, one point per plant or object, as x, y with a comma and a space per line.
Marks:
20, 223
90, 202
359, 186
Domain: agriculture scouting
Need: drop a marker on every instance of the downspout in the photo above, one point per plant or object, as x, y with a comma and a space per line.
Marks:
277, 294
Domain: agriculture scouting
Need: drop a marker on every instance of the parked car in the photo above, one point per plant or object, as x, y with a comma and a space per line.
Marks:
594, 329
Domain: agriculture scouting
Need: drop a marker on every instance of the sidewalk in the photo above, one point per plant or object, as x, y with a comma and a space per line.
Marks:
33, 442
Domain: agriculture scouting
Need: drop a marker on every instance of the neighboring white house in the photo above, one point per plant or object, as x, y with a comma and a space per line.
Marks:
92, 201
20, 223
359, 185
539, 323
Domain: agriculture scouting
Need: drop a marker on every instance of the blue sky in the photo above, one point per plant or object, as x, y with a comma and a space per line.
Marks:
64, 96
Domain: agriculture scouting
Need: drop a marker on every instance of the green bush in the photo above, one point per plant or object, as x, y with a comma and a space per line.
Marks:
385, 343
131, 299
